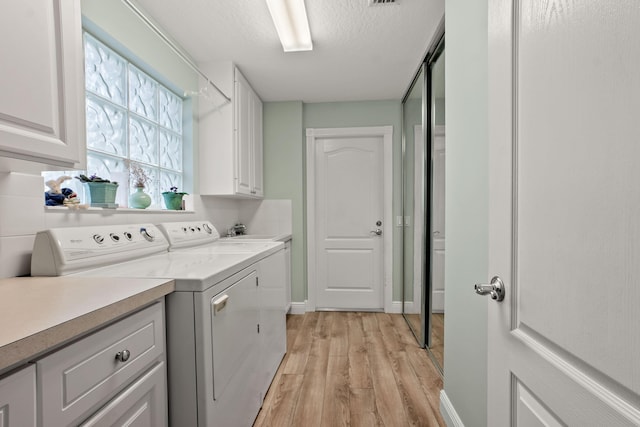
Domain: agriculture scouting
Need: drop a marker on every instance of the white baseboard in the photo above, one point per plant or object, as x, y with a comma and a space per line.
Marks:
409, 307
437, 301
448, 412
396, 307
298, 308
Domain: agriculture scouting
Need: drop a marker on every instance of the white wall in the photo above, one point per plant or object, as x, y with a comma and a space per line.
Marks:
465, 374
22, 214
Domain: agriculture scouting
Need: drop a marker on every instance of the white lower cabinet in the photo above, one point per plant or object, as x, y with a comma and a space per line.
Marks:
141, 404
273, 322
18, 398
287, 260
112, 377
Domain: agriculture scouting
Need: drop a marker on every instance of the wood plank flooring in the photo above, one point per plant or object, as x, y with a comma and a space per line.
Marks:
437, 338
352, 369
437, 334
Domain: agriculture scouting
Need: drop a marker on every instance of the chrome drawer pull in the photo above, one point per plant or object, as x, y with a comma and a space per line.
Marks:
123, 356
220, 303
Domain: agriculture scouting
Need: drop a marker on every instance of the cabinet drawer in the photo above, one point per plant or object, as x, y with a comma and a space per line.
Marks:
74, 381
142, 404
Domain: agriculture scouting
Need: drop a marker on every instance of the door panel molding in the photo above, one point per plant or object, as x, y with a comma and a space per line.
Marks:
562, 341
312, 134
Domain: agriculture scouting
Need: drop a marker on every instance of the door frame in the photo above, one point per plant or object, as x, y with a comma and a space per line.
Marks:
386, 132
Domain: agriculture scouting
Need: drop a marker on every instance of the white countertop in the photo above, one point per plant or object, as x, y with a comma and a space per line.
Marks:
258, 237
39, 314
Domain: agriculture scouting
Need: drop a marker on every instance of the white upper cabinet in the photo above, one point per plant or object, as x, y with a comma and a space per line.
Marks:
42, 81
230, 136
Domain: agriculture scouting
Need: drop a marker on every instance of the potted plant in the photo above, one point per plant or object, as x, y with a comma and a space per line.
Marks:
139, 199
102, 192
173, 199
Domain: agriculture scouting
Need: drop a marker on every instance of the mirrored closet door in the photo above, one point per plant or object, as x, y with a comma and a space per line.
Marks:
424, 197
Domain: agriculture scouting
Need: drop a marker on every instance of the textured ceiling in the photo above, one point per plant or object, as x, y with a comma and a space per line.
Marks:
360, 52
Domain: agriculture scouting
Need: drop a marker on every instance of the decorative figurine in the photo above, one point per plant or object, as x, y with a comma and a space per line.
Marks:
58, 196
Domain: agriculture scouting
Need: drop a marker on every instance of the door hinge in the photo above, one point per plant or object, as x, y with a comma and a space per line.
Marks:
258, 328
257, 281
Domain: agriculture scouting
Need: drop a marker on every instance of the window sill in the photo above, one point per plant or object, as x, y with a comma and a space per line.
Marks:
115, 210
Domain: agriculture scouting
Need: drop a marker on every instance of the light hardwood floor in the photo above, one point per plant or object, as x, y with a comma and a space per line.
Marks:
437, 334
352, 369
437, 338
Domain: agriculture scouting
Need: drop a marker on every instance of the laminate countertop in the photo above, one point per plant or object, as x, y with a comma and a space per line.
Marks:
283, 237
39, 314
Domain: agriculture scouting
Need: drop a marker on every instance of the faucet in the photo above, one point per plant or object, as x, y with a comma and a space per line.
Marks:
240, 229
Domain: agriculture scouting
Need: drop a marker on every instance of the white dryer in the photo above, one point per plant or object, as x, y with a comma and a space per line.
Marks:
272, 285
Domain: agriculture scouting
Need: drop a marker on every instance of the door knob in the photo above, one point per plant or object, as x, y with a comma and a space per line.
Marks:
495, 289
377, 232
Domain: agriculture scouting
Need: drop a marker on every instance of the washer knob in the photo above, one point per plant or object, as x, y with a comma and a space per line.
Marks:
147, 235
207, 228
98, 238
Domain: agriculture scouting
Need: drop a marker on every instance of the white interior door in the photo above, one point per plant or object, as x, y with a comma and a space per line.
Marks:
418, 219
349, 206
437, 220
564, 345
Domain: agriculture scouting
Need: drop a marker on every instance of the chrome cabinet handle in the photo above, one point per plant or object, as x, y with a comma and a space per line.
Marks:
495, 289
377, 232
123, 356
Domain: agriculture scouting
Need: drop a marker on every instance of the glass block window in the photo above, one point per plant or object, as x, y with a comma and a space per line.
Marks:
131, 119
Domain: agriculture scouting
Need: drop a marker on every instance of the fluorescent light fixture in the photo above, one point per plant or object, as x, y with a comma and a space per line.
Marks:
292, 25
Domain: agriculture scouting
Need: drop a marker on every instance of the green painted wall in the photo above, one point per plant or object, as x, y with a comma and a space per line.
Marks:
369, 113
283, 178
465, 355
285, 159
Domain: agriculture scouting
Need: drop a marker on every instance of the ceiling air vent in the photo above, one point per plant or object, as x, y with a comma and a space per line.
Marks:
381, 2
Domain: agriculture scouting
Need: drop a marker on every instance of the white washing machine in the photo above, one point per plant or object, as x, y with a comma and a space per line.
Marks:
215, 375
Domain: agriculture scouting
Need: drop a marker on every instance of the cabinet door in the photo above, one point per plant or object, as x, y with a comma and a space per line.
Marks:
256, 141
18, 399
273, 322
79, 378
42, 103
287, 260
242, 136
143, 403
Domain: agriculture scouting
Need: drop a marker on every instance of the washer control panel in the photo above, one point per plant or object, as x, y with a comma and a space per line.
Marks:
60, 251
189, 233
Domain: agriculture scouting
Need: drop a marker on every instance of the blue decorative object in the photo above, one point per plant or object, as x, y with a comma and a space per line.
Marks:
139, 199
173, 201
